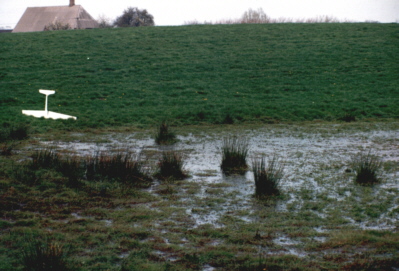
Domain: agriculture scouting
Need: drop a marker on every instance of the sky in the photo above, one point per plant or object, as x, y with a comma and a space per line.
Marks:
177, 12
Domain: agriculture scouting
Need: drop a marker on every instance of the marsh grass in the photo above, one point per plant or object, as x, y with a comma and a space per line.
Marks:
367, 166
17, 131
45, 158
123, 167
164, 136
72, 167
6, 148
267, 176
39, 256
24, 174
170, 166
234, 155
126, 168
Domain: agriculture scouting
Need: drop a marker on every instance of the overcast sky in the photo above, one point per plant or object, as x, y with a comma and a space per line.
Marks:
176, 12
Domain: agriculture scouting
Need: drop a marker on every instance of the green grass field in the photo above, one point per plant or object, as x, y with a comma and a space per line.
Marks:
202, 74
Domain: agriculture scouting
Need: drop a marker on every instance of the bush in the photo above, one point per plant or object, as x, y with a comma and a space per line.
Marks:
164, 136
57, 26
366, 167
267, 177
171, 166
134, 17
234, 155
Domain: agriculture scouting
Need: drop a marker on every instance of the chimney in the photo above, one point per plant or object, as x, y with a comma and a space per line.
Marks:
71, 3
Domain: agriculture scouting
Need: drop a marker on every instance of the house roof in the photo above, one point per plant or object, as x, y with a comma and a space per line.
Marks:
36, 18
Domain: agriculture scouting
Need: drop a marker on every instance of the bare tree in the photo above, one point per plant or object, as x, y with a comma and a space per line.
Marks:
134, 17
104, 21
255, 17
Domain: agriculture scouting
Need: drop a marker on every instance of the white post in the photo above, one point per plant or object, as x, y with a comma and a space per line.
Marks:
45, 105
46, 92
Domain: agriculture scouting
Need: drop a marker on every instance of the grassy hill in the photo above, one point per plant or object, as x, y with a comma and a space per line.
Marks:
202, 74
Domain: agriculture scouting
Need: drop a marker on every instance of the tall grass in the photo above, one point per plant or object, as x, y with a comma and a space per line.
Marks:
267, 176
170, 166
126, 168
234, 155
45, 158
367, 167
17, 131
123, 167
164, 136
39, 256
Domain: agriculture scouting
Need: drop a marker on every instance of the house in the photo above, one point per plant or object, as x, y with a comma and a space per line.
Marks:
36, 18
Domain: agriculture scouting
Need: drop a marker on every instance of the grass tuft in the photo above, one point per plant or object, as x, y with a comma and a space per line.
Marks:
164, 136
267, 177
171, 166
14, 132
6, 149
72, 167
44, 257
234, 155
122, 167
366, 167
45, 158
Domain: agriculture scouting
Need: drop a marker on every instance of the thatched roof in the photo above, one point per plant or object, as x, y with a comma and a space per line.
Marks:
36, 18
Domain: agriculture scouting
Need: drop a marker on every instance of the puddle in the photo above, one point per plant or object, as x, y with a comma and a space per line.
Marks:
315, 160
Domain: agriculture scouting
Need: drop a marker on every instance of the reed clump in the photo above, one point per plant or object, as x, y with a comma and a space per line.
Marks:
126, 168
164, 136
14, 132
234, 155
170, 166
123, 167
267, 176
367, 167
39, 256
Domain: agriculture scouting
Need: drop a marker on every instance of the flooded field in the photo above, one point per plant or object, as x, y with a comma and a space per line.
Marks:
319, 196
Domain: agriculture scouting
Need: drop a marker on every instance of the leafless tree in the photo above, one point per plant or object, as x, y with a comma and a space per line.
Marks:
255, 17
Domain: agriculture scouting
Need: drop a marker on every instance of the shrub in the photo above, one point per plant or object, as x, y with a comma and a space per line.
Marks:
57, 26
366, 167
234, 155
267, 177
164, 136
171, 166
134, 17
37, 256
